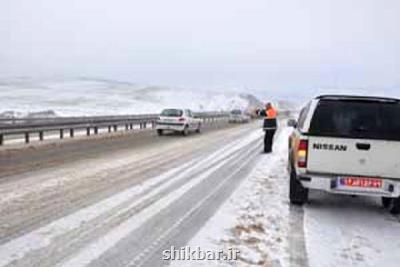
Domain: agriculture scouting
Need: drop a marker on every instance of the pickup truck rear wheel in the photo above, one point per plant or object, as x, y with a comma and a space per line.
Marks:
160, 132
386, 201
394, 206
297, 193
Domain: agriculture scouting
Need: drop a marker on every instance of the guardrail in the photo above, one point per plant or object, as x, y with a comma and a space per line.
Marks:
29, 126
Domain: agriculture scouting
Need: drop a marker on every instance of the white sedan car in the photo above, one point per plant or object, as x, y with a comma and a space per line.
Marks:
177, 120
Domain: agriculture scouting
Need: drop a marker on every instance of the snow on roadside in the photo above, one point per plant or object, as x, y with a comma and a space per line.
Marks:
255, 219
346, 231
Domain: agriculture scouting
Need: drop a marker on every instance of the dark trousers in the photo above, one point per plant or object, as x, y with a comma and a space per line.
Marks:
269, 140
270, 126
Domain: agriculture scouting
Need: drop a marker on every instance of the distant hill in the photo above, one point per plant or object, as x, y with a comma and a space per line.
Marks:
87, 96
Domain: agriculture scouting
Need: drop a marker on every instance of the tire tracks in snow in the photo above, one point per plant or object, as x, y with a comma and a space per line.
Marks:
51, 194
245, 156
296, 237
40, 243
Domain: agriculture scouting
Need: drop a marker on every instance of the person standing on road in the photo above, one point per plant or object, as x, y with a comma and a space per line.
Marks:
270, 126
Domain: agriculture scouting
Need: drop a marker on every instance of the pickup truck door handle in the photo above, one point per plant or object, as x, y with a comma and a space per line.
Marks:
363, 146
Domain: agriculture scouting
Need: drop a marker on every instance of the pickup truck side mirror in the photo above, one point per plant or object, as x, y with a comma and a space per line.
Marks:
292, 123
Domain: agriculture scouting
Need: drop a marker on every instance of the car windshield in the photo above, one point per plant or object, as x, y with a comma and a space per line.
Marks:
172, 113
357, 119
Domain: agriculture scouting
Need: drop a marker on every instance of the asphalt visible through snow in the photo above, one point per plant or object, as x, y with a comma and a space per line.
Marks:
123, 203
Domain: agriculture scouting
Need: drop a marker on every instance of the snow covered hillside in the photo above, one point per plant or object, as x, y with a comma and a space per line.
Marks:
83, 96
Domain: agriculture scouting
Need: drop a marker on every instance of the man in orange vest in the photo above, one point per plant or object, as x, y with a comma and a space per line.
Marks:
270, 125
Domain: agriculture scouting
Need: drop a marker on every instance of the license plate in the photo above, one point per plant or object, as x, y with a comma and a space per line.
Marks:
361, 182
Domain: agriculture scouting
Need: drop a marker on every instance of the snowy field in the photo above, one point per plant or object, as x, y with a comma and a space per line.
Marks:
329, 231
77, 97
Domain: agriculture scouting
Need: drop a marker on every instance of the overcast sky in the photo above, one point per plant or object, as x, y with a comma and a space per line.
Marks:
282, 45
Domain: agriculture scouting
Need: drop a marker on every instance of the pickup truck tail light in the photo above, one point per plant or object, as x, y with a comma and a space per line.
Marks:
302, 155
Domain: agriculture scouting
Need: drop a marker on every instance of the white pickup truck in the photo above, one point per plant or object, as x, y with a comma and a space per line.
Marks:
178, 120
347, 145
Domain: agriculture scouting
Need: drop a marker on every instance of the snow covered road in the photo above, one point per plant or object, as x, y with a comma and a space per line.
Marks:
125, 207
345, 231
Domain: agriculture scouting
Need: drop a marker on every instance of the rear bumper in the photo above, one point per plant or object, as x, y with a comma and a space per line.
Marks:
329, 183
170, 126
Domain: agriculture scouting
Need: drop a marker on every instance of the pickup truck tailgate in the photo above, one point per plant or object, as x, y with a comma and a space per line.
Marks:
371, 158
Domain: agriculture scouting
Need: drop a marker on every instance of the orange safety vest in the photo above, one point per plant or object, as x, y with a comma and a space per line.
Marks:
271, 113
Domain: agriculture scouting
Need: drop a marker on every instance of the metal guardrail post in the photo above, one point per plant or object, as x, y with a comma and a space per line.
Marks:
115, 128
41, 135
96, 130
88, 131
71, 133
27, 138
61, 133
1, 139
